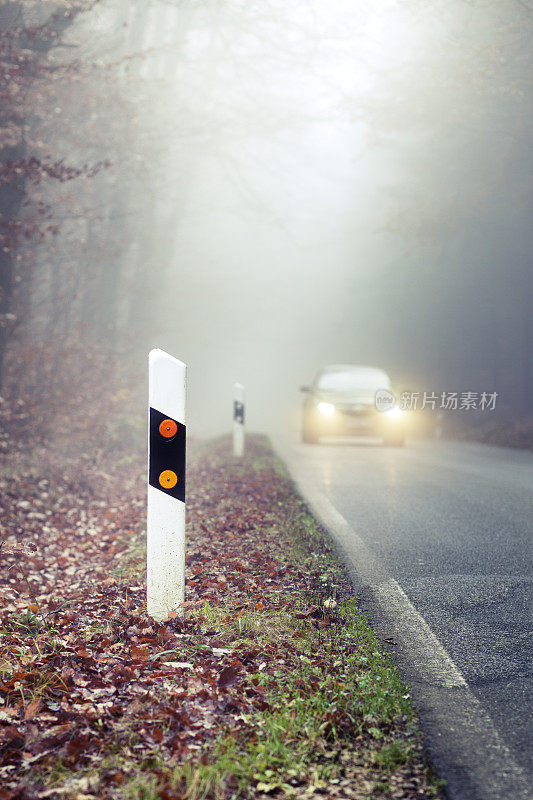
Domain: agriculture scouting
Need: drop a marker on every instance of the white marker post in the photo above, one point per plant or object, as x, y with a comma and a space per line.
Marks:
166, 485
238, 420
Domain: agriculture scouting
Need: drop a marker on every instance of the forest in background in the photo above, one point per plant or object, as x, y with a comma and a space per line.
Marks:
129, 129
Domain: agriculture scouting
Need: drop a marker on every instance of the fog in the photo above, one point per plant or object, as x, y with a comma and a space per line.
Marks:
291, 184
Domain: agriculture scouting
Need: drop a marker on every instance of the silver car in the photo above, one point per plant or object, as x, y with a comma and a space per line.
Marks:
341, 401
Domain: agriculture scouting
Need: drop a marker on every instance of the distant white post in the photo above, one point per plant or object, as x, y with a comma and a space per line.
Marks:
166, 485
238, 420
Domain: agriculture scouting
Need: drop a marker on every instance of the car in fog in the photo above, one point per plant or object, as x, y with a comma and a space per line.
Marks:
341, 401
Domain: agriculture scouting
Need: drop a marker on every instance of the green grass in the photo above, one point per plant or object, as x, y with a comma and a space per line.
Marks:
336, 687
25, 623
391, 755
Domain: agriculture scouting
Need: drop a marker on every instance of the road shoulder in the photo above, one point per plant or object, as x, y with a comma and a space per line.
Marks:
462, 740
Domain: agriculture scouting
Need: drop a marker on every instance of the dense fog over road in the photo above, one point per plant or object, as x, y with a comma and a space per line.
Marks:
268, 190
289, 184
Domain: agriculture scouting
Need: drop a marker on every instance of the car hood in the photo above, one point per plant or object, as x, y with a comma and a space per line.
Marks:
359, 398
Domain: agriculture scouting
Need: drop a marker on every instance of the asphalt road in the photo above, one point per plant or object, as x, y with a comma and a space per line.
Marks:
439, 540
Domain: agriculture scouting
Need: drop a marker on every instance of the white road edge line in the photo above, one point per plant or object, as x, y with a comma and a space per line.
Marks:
430, 658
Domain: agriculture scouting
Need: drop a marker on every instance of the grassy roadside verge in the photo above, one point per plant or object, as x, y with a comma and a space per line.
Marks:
335, 717
272, 685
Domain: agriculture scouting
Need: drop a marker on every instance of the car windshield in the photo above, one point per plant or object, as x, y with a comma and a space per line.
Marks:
364, 379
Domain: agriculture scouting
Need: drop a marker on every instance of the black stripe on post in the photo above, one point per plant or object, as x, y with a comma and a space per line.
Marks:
238, 412
167, 454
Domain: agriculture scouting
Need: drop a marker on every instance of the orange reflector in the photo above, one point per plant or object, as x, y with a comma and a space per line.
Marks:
168, 428
168, 479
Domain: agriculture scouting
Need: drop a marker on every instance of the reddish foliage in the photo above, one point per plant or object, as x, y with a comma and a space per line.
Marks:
102, 665
35, 169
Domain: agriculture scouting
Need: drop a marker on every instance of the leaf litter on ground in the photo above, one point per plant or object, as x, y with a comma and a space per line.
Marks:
99, 700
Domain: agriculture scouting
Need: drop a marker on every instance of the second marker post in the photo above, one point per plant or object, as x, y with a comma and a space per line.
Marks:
238, 420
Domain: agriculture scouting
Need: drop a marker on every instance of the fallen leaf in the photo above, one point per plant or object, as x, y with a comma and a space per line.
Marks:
32, 708
139, 653
228, 676
314, 611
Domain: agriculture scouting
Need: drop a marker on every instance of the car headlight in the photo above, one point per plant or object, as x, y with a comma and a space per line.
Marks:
328, 409
394, 413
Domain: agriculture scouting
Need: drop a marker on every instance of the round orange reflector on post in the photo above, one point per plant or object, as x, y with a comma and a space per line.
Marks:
168, 428
168, 479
